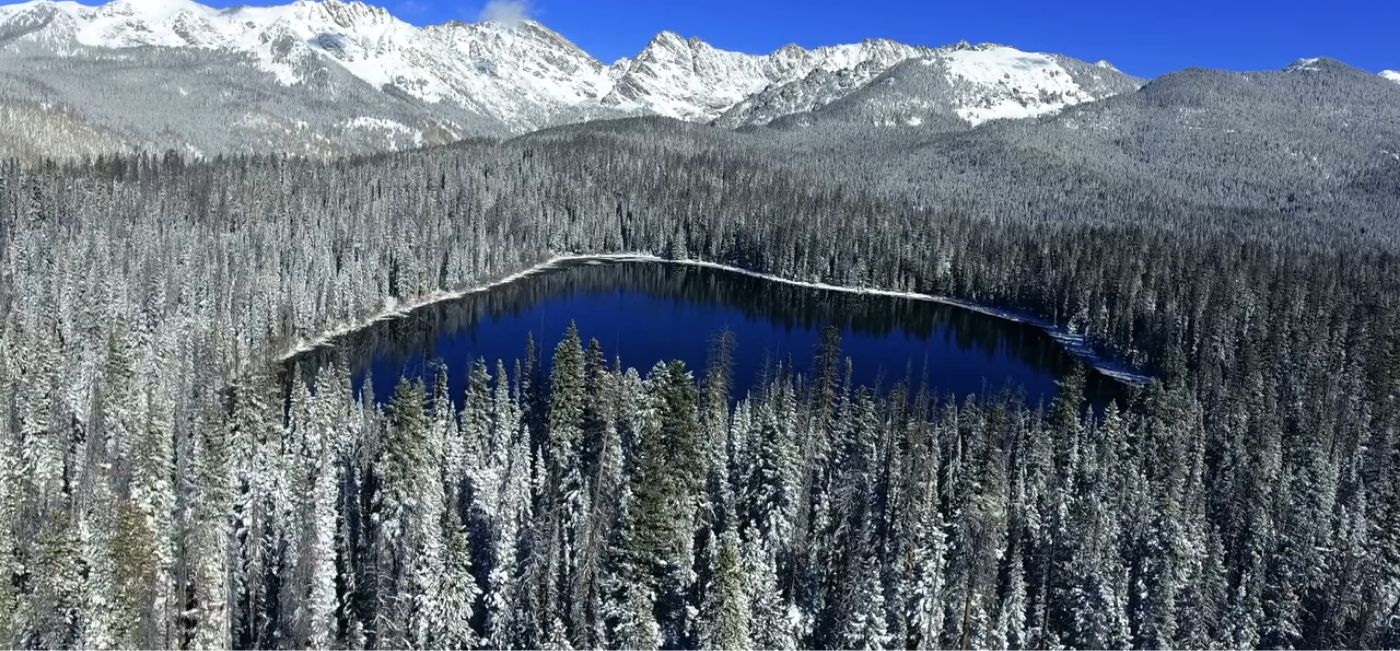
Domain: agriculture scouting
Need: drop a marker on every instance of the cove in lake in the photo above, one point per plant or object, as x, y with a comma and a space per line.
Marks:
648, 312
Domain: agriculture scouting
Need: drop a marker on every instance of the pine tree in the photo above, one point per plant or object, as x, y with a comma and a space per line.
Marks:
604, 455
409, 526
629, 610
95, 529
927, 597
58, 591
504, 615
208, 536
770, 626
769, 495
145, 531
664, 488
1011, 619
637, 627
322, 526
470, 449
11, 498
724, 617
249, 435
567, 493
457, 590
459, 447
863, 624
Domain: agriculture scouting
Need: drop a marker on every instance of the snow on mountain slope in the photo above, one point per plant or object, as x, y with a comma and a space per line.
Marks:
684, 79
1393, 75
691, 80
519, 76
1003, 82
819, 88
965, 85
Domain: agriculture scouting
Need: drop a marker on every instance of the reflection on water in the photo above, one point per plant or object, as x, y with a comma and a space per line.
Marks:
646, 312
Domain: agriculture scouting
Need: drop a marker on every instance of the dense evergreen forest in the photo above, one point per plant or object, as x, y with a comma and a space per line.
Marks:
163, 488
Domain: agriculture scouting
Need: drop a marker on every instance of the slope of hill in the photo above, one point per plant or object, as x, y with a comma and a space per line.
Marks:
1280, 150
1286, 154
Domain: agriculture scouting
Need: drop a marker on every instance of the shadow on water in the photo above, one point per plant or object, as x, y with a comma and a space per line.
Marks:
647, 312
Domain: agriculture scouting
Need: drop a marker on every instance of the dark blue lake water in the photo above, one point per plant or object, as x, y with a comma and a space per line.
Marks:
647, 312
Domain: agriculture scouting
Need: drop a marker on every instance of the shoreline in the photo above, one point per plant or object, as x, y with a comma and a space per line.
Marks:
1074, 344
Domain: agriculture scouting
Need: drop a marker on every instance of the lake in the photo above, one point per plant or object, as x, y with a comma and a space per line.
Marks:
645, 312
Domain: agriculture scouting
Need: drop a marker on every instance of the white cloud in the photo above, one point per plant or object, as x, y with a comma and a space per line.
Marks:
507, 12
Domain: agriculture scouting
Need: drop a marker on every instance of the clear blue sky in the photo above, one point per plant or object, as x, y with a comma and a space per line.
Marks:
1143, 37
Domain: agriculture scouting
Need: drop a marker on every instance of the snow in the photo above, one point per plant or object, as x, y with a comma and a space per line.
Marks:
688, 80
438, 63
159, 23
1012, 84
1308, 64
382, 124
691, 80
528, 76
1073, 343
1393, 75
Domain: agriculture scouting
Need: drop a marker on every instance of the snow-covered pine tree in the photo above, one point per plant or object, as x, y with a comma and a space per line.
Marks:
927, 596
770, 624
208, 539
863, 622
95, 530
769, 495
566, 493
603, 456
724, 617
320, 528
11, 497
58, 584
457, 590
409, 513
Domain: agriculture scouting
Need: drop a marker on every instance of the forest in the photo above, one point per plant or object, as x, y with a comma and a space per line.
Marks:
167, 481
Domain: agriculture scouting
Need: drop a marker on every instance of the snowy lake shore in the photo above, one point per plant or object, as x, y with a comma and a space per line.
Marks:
1074, 343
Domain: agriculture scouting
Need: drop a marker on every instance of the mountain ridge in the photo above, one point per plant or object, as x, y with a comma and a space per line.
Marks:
328, 77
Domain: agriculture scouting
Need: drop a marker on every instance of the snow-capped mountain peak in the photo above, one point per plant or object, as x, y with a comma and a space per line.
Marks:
685, 78
519, 75
958, 84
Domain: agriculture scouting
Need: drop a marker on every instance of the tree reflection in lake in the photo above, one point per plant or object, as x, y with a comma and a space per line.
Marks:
645, 312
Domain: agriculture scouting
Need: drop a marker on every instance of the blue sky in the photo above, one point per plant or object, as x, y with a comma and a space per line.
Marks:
1143, 37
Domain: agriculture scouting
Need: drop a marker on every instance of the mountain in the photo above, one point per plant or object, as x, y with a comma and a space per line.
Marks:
964, 86
1316, 142
690, 80
322, 77
1309, 149
1393, 75
518, 76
